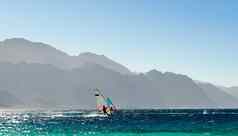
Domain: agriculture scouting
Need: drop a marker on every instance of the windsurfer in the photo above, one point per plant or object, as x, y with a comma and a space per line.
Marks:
104, 104
104, 109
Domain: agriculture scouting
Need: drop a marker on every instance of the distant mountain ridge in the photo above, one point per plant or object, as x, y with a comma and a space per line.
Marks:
231, 90
219, 96
17, 50
38, 75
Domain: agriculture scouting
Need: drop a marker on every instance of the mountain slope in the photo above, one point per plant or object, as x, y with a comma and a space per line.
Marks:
221, 98
42, 76
17, 50
179, 90
231, 90
91, 58
48, 86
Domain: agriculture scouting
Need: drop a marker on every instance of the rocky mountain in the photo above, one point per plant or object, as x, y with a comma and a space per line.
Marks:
231, 90
219, 96
17, 50
179, 90
91, 58
38, 75
48, 86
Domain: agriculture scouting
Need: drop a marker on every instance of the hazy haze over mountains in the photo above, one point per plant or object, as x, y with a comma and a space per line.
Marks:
36, 74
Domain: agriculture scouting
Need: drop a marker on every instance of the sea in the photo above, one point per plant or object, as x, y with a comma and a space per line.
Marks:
166, 122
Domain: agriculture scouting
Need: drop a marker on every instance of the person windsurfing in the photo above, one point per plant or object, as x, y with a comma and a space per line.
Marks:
104, 109
104, 104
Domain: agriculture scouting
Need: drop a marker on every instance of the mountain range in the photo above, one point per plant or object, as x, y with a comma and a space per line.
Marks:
34, 74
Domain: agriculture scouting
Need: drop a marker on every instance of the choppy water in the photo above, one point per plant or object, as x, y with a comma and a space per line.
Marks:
123, 123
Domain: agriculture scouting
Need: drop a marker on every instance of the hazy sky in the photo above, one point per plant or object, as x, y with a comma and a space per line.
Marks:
194, 37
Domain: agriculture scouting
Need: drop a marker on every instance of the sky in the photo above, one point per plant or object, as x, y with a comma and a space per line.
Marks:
194, 37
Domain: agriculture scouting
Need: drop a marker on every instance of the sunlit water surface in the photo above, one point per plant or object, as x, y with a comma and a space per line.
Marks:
123, 123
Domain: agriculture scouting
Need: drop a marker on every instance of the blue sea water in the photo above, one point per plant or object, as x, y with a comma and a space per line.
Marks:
123, 123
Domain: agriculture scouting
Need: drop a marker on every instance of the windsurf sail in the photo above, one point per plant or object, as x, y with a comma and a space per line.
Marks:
104, 104
100, 100
110, 104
